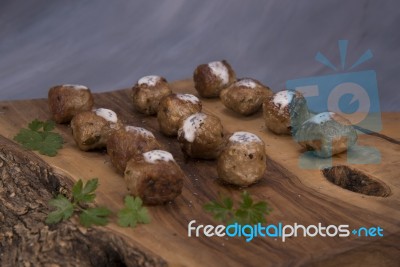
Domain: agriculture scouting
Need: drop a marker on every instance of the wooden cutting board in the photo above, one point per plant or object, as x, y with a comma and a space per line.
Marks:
295, 194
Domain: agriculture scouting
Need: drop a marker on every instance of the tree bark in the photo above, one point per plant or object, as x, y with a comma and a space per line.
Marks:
27, 184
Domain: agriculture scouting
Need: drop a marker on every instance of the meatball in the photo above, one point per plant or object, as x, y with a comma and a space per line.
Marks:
201, 136
148, 92
243, 161
210, 79
326, 134
245, 96
174, 109
91, 129
154, 177
285, 111
128, 142
65, 101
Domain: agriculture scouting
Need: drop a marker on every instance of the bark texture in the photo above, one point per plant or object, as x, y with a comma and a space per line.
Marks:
26, 185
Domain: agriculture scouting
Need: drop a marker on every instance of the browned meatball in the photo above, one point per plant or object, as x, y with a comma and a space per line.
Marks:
65, 101
128, 142
201, 136
91, 129
174, 109
326, 134
285, 111
154, 177
243, 161
210, 79
148, 92
245, 96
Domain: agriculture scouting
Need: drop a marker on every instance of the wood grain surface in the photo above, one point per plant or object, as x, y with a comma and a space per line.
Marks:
295, 194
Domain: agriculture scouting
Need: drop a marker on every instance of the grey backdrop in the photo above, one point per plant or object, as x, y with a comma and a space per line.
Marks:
110, 44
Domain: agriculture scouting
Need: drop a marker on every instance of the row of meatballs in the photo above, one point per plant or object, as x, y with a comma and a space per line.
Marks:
285, 112
149, 171
241, 157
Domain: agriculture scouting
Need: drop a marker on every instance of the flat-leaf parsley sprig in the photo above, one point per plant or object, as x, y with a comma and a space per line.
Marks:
39, 136
81, 203
133, 213
247, 212
82, 196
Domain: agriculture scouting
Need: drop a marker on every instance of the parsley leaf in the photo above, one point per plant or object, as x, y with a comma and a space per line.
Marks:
81, 195
49, 126
39, 137
96, 216
35, 125
51, 143
222, 211
133, 213
64, 210
85, 193
29, 139
248, 212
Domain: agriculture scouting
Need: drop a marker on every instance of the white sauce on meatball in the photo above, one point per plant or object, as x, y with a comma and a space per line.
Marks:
283, 98
191, 125
139, 130
220, 70
107, 114
150, 80
246, 83
188, 97
76, 86
321, 118
244, 137
157, 155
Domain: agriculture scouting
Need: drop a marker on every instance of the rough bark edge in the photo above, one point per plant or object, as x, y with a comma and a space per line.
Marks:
27, 183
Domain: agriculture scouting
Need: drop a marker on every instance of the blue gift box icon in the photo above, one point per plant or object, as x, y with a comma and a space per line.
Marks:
353, 95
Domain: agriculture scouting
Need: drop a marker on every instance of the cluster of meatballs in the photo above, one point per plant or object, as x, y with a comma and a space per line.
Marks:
285, 112
151, 172
217, 79
201, 135
325, 134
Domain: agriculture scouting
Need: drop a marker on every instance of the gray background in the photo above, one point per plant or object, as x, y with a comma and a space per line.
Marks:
108, 45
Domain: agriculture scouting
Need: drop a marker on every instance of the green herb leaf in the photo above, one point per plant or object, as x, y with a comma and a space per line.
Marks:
94, 216
51, 143
39, 137
223, 211
85, 194
133, 213
248, 212
246, 200
82, 194
49, 126
29, 139
77, 189
35, 125
64, 210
